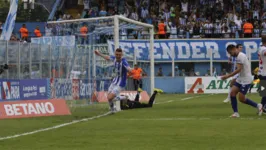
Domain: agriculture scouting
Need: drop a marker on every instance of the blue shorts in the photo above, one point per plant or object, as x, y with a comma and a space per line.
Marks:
243, 88
262, 77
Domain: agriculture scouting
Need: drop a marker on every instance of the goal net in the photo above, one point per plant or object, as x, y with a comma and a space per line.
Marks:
104, 34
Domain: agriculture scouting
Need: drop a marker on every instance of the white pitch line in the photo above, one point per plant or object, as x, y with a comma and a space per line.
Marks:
183, 99
54, 127
77, 121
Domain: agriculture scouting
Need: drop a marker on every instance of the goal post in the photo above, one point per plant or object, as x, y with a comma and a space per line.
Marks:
100, 31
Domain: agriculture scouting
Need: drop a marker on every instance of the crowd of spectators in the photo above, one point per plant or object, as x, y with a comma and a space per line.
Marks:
192, 19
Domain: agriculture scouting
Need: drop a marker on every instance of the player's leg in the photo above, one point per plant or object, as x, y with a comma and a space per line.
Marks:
135, 82
242, 98
113, 95
140, 83
110, 98
230, 89
137, 104
263, 99
234, 92
250, 88
152, 98
137, 96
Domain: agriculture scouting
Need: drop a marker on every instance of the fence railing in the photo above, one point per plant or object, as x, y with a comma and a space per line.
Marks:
33, 61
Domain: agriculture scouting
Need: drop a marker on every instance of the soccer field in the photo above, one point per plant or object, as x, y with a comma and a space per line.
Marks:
182, 122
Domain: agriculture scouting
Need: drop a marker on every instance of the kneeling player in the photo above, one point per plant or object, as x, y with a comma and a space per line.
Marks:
242, 83
125, 103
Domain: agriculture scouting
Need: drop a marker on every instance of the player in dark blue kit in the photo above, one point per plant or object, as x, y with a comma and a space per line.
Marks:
243, 81
119, 82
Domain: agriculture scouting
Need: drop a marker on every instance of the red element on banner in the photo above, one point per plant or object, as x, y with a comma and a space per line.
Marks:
197, 82
102, 96
33, 108
75, 89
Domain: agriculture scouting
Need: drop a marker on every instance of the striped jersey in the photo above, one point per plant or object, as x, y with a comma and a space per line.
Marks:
233, 64
120, 69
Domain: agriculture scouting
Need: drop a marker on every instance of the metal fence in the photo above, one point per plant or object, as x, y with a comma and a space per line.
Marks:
33, 61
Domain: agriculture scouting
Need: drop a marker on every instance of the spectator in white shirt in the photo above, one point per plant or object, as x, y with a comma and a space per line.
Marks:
144, 12
134, 15
263, 24
217, 29
208, 27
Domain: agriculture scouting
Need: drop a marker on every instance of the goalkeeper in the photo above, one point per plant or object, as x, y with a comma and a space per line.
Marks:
125, 103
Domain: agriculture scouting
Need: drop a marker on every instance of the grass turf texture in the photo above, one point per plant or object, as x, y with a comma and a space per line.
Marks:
180, 123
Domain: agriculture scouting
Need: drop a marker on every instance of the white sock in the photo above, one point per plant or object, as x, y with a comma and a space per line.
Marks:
229, 92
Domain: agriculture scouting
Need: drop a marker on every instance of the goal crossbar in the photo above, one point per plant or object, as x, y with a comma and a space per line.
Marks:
116, 27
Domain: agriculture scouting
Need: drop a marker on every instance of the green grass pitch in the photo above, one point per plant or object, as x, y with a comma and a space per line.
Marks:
177, 122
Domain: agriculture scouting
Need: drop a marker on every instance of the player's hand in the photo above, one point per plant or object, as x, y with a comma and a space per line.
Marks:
224, 77
97, 52
229, 62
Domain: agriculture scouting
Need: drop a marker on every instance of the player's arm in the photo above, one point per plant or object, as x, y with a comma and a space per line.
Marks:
238, 70
264, 52
126, 65
106, 57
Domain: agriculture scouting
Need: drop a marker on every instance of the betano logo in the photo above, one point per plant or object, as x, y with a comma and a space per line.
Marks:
33, 108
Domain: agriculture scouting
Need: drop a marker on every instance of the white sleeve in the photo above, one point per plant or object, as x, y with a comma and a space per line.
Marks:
262, 51
240, 59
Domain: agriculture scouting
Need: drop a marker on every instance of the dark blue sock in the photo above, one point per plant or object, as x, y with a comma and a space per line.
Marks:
234, 103
251, 103
263, 101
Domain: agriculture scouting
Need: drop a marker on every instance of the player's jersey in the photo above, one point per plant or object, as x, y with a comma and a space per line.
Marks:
234, 67
233, 64
262, 61
245, 76
120, 72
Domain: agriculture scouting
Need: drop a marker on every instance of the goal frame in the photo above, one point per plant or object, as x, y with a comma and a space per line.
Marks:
116, 19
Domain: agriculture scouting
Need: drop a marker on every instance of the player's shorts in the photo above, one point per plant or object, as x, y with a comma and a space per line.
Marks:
262, 77
235, 76
242, 87
115, 89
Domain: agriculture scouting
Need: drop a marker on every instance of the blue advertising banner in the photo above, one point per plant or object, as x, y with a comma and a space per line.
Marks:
85, 88
62, 88
186, 50
9, 90
33, 89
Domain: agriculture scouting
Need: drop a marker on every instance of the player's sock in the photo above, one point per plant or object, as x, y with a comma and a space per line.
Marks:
263, 101
137, 97
111, 104
251, 103
152, 98
234, 103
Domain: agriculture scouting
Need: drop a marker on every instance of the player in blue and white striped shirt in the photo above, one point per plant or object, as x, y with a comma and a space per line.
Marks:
119, 82
233, 62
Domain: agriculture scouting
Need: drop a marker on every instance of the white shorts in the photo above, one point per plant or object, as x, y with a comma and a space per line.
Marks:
115, 89
235, 76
